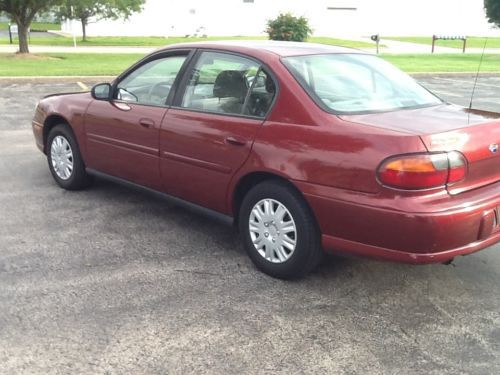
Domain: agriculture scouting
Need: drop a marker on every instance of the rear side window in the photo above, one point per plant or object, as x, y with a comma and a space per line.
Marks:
357, 83
230, 84
261, 95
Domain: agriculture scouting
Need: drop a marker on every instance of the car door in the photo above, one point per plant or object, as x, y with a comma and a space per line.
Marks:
122, 134
209, 131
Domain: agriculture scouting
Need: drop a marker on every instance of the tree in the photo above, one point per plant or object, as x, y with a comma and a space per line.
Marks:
23, 12
288, 27
87, 10
492, 8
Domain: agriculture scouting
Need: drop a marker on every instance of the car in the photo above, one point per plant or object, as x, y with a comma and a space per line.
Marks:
307, 148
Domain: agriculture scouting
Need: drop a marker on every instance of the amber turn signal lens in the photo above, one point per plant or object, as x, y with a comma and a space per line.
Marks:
422, 171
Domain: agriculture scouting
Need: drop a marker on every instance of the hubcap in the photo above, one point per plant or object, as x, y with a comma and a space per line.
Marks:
272, 230
61, 156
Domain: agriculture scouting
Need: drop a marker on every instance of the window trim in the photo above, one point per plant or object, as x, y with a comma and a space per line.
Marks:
177, 100
189, 53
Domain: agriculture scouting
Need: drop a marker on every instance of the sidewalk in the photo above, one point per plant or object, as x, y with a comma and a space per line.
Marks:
397, 47
391, 47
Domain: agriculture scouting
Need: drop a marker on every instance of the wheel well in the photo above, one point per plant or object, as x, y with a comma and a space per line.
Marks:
247, 183
49, 123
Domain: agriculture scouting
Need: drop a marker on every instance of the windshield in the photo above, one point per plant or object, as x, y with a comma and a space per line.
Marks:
357, 83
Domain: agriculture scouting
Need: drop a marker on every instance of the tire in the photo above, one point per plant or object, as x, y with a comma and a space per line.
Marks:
272, 234
64, 158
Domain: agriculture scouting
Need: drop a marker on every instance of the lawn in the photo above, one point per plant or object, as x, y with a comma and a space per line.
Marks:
69, 64
152, 41
342, 42
38, 26
459, 62
73, 64
472, 42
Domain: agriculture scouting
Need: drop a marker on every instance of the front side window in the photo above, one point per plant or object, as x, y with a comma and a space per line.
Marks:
225, 83
151, 82
357, 83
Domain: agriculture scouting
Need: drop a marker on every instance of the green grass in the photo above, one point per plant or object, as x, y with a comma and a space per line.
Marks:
38, 26
57, 40
82, 64
69, 64
472, 42
118, 41
459, 62
341, 42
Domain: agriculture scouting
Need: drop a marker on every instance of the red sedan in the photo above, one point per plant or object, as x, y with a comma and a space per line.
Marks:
308, 147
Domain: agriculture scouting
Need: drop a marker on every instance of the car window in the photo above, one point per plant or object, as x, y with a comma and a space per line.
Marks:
151, 82
225, 83
356, 83
263, 90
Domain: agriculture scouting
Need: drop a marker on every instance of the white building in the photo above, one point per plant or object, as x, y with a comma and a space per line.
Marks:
333, 18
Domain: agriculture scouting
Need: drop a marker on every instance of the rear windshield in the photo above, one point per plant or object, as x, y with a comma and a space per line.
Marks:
357, 83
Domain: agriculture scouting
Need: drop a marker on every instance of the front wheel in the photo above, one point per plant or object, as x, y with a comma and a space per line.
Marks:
65, 161
279, 231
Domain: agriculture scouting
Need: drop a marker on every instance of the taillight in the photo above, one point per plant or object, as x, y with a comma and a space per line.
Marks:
422, 171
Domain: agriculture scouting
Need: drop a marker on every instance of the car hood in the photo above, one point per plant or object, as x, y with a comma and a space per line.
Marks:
425, 121
65, 94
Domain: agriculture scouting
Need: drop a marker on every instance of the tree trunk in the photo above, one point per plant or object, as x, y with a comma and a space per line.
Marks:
23, 38
84, 29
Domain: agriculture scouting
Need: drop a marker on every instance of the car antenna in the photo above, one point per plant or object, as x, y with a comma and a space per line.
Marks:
477, 74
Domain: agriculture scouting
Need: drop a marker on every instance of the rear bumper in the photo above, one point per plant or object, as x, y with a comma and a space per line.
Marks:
411, 229
338, 245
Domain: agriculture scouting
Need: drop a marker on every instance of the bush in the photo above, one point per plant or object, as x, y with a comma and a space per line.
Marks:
288, 27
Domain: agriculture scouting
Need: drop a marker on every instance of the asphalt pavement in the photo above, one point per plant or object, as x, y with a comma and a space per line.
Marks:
114, 281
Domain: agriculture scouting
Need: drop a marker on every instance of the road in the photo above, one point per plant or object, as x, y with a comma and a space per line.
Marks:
113, 281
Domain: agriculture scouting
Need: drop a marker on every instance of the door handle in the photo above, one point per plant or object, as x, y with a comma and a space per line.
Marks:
146, 122
121, 106
236, 141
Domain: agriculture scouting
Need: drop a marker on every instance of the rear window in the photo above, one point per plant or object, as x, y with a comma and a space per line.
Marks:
357, 83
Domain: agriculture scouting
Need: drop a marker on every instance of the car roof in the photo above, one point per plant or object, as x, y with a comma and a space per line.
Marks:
280, 48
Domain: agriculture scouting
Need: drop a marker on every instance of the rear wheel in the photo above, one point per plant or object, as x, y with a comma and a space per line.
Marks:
279, 231
65, 161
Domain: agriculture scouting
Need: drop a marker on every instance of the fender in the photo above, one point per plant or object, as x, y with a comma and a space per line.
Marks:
51, 111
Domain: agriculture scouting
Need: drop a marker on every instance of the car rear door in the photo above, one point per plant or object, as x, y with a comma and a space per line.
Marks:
208, 133
122, 134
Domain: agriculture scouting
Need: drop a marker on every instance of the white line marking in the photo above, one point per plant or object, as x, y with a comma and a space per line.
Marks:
83, 86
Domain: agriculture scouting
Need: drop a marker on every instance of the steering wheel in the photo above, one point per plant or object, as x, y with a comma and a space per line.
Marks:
153, 88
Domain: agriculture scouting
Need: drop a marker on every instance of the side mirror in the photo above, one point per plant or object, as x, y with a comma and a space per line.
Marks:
101, 91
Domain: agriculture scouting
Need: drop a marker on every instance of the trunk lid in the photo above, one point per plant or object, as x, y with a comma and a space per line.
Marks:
474, 133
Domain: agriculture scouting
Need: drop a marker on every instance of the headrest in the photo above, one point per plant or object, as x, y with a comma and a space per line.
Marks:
230, 84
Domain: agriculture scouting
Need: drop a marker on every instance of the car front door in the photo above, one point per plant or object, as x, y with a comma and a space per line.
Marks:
122, 134
208, 132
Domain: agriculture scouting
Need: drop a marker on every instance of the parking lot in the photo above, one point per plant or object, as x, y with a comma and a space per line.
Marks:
110, 280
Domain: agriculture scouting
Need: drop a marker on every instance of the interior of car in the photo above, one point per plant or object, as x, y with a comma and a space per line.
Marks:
218, 83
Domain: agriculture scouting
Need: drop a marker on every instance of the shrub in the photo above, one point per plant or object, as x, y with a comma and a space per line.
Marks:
288, 27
